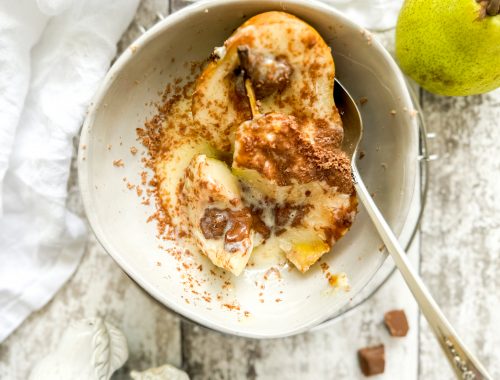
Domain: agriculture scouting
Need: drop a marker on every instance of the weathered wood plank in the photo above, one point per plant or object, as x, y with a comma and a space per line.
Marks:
326, 354
147, 16
461, 229
175, 5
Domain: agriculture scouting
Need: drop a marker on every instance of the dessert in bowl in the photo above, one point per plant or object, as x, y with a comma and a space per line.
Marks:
243, 184
245, 203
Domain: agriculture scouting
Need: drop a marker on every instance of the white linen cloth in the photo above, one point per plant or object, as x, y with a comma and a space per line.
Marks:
53, 54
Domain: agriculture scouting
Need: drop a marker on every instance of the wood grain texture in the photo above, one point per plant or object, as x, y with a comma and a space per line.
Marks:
329, 353
461, 230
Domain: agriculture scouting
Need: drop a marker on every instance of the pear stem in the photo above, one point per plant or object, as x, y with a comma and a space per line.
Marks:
493, 7
488, 8
251, 98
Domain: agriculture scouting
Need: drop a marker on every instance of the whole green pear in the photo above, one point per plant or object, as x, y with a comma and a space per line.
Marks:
450, 47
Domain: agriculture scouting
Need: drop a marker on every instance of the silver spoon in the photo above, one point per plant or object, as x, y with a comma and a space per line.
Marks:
464, 363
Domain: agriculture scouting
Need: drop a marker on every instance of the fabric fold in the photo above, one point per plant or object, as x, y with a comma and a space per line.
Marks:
41, 241
16, 42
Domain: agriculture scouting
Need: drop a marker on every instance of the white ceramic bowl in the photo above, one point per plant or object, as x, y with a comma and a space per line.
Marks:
119, 220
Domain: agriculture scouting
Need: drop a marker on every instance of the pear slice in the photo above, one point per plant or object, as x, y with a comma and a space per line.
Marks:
303, 247
328, 216
171, 170
311, 202
270, 40
214, 214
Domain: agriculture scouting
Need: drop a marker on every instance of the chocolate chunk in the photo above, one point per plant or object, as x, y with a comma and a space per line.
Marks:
239, 225
282, 215
372, 360
234, 225
267, 73
396, 322
213, 223
258, 224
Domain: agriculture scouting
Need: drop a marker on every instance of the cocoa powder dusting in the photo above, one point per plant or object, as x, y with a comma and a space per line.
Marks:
274, 146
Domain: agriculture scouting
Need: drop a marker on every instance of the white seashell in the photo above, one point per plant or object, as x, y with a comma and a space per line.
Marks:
90, 349
165, 372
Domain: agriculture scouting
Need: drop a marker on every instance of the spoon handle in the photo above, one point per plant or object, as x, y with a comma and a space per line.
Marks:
464, 363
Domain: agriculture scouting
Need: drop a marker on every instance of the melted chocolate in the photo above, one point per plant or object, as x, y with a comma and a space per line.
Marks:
267, 72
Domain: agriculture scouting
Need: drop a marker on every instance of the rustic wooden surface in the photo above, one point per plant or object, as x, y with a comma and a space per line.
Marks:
460, 254
459, 251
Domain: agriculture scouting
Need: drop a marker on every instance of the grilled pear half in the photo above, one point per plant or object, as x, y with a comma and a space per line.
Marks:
292, 71
308, 187
171, 171
214, 215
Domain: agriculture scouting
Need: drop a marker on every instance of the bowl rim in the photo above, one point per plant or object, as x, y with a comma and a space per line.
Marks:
83, 172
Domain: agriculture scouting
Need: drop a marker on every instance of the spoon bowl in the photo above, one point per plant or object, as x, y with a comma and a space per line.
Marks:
351, 117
